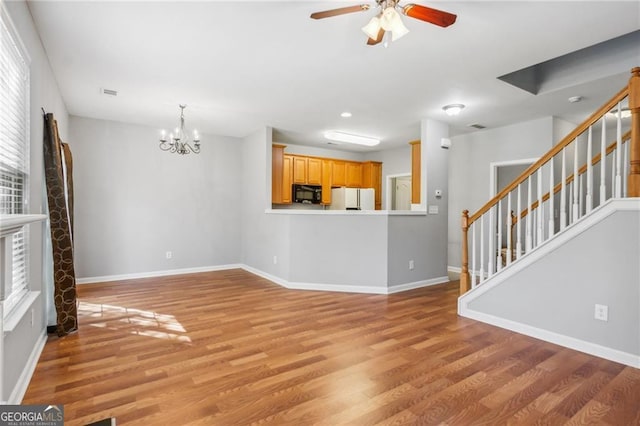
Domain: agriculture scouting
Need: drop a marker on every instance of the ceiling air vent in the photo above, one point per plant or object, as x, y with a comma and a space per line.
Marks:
109, 92
477, 126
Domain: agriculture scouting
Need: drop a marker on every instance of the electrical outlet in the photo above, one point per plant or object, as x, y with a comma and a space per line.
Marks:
411, 265
275, 260
601, 312
169, 255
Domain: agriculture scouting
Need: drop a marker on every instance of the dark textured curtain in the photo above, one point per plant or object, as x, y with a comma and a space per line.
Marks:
64, 295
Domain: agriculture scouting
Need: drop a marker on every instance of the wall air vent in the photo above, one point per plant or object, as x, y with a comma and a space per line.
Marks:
477, 126
109, 92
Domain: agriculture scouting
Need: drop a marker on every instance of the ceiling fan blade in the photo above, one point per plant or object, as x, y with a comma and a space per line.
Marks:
427, 14
378, 39
339, 11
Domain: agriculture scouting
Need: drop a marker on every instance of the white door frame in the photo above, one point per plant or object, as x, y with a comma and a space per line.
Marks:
493, 172
387, 199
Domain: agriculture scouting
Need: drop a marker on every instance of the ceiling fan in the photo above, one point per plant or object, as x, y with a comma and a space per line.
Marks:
388, 19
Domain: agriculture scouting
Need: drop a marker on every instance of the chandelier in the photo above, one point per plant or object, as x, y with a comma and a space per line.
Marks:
178, 141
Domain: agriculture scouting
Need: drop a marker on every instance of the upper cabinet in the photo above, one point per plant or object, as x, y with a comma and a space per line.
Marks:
372, 178
307, 170
338, 173
289, 169
354, 174
415, 172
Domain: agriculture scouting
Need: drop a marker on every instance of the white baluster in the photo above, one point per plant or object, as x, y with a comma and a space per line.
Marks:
576, 196
619, 151
571, 211
552, 212
540, 231
519, 225
614, 154
499, 244
581, 188
482, 248
563, 191
473, 255
589, 198
528, 237
625, 170
492, 239
509, 231
603, 162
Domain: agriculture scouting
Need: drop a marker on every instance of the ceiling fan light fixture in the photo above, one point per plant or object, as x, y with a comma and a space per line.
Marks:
372, 28
333, 135
390, 21
453, 109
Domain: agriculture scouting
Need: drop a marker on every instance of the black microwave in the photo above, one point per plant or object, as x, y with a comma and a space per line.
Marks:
307, 194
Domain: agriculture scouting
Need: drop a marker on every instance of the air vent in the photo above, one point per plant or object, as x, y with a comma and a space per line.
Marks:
109, 92
477, 126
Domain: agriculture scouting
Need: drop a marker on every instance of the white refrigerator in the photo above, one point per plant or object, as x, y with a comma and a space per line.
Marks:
352, 199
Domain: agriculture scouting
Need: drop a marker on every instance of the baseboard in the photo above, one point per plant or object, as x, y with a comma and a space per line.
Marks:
152, 274
454, 269
265, 275
344, 288
417, 284
558, 339
21, 386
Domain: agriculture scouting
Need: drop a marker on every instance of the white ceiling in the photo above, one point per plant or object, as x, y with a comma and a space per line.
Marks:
240, 66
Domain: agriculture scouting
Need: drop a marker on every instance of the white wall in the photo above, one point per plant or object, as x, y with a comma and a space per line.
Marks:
469, 160
135, 202
597, 266
25, 340
394, 162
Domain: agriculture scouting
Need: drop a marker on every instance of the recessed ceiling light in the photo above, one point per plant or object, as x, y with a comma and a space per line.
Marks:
453, 109
575, 99
349, 138
345, 114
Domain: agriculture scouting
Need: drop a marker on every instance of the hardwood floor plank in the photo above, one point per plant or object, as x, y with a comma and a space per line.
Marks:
230, 348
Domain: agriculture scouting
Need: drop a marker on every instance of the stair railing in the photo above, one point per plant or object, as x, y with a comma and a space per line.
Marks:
500, 237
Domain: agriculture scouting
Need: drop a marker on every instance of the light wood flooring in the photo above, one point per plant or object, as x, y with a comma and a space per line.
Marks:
230, 348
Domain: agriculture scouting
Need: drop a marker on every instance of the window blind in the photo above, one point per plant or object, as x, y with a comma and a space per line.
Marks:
14, 152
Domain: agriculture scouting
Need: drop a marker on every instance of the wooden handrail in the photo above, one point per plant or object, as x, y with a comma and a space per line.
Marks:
552, 153
595, 160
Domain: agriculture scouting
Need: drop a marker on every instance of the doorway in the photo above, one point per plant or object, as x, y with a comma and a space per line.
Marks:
399, 192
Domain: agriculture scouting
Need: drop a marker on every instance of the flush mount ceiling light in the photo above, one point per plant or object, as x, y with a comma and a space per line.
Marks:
453, 109
345, 114
349, 138
388, 20
179, 140
624, 113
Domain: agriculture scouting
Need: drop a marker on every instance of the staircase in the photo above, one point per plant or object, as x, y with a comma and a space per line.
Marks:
570, 203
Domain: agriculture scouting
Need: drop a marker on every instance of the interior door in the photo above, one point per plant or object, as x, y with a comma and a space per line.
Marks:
402, 199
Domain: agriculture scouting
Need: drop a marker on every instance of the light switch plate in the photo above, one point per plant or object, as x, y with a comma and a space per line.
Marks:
433, 209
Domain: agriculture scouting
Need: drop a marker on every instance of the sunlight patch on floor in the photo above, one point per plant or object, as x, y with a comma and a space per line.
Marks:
141, 322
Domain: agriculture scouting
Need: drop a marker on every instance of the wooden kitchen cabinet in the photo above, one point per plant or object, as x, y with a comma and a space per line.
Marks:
307, 170
314, 171
338, 173
372, 178
415, 172
353, 174
299, 169
287, 179
326, 181
277, 158
289, 169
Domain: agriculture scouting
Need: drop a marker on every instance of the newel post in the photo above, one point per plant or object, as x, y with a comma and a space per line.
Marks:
634, 148
465, 284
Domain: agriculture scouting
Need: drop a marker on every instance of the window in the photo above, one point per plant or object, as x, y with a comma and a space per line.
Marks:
14, 149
